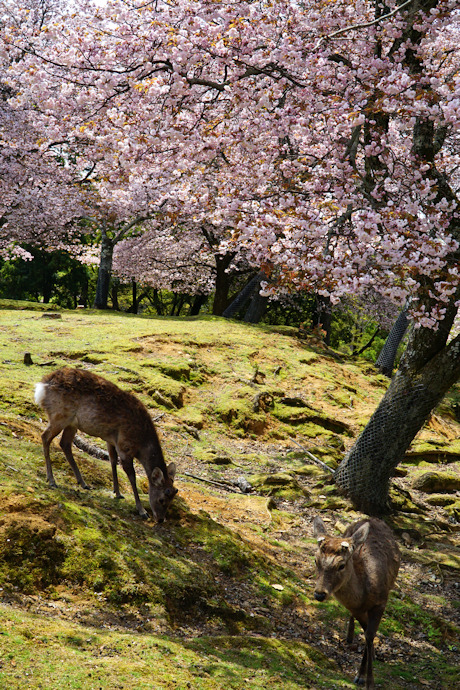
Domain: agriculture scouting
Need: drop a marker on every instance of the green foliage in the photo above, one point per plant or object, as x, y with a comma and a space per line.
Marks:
53, 276
291, 311
404, 614
350, 332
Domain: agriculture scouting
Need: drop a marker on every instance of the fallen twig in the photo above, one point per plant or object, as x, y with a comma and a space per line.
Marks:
314, 458
222, 485
89, 448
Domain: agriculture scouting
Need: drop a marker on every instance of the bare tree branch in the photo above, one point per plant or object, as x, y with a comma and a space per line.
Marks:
364, 25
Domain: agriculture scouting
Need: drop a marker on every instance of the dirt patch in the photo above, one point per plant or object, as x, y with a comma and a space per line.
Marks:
30, 551
22, 428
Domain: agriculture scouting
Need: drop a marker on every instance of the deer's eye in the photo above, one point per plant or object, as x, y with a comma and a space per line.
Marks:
341, 566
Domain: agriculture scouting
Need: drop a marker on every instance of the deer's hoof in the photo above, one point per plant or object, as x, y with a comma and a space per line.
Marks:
358, 680
119, 496
144, 515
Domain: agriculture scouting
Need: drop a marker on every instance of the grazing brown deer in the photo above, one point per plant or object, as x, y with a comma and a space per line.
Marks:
359, 569
76, 399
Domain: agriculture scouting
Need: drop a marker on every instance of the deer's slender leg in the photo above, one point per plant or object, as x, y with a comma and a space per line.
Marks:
127, 464
114, 461
374, 617
51, 431
351, 630
66, 444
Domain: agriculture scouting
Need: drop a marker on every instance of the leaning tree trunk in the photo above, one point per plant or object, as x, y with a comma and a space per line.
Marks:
243, 296
104, 272
427, 371
386, 359
256, 309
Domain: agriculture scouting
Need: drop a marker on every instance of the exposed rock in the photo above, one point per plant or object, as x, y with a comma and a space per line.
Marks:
440, 499
306, 414
31, 551
429, 557
178, 372
294, 402
311, 471
262, 401
161, 399
453, 510
169, 399
211, 456
437, 482
280, 482
51, 315
400, 472
438, 452
402, 500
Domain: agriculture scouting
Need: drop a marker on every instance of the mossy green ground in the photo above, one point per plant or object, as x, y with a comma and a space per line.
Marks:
220, 595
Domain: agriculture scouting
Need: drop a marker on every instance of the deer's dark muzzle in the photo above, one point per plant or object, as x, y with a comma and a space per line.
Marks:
320, 596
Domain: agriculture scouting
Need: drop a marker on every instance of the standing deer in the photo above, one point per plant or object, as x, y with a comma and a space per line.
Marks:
359, 569
76, 399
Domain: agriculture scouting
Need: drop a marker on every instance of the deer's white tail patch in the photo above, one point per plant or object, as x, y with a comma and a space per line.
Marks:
40, 390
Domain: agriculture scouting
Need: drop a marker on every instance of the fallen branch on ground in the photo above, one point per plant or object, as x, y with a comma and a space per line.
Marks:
314, 458
91, 449
221, 485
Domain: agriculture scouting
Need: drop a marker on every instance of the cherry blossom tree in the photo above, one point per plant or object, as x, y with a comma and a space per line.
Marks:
40, 194
39, 198
181, 257
319, 139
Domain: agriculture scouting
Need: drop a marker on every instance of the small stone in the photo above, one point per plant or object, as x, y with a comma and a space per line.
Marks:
437, 482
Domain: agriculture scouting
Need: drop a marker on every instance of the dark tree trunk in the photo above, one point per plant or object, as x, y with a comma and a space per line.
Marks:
243, 296
223, 282
104, 273
157, 303
256, 309
418, 386
322, 316
82, 298
178, 303
386, 359
134, 294
135, 302
47, 289
357, 353
114, 295
197, 303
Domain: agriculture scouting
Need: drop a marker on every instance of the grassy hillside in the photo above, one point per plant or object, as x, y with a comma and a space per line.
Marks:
220, 595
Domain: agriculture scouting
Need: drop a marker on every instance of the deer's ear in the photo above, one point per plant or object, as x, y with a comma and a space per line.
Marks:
156, 477
319, 529
171, 470
361, 534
